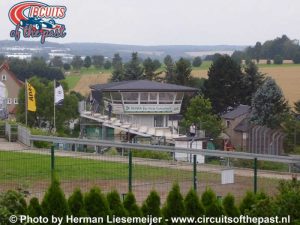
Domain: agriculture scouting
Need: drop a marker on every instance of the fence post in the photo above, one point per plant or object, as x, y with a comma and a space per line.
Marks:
52, 162
130, 172
195, 171
255, 175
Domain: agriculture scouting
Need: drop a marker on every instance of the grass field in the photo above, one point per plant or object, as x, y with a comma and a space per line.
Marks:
32, 172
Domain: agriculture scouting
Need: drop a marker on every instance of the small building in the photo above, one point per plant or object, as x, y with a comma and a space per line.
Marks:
246, 136
13, 86
234, 122
139, 107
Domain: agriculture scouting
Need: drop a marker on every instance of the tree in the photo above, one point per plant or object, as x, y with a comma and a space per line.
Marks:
183, 71
238, 56
197, 61
87, 62
200, 113
43, 117
67, 66
76, 204
297, 106
77, 62
269, 107
98, 60
133, 69
168, 60
54, 202
96, 204
296, 57
252, 80
208, 196
117, 60
170, 76
56, 62
107, 65
224, 84
192, 204
278, 59
257, 51
174, 206
115, 205
150, 67
152, 205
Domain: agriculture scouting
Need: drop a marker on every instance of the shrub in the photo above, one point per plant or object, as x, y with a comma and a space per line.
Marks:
208, 197
229, 206
193, 205
131, 206
54, 202
76, 204
247, 203
96, 204
174, 206
115, 205
152, 205
34, 209
268, 61
151, 154
296, 58
11, 203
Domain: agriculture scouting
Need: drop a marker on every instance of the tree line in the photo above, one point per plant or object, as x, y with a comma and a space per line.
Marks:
97, 204
278, 49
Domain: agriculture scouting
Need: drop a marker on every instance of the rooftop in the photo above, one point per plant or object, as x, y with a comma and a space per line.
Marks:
237, 112
141, 85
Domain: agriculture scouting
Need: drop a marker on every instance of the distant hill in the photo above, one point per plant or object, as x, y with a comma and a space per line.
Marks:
125, 51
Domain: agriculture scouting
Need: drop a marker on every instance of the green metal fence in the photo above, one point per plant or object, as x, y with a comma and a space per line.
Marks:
138, 171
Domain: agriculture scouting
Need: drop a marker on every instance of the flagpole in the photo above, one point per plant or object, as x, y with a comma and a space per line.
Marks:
54, 125
26, 102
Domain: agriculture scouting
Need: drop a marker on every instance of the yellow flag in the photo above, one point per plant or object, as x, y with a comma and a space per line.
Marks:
31, 102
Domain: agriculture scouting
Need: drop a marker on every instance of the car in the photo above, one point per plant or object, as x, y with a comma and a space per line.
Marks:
38, 23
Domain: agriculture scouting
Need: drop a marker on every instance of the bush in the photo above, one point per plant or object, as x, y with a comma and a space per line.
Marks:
152, 205
11, 203
76, 204
54, 202
193, 205
40, 144
34, 209
208, 197
229, 206
96, 204
115, 205
197, 61
174, 206
268, 61
151, 154
131, 206
278, 59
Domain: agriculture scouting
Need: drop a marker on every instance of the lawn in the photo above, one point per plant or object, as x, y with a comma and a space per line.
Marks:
72, 80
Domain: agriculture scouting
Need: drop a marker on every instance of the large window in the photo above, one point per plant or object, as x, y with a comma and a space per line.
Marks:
130, 97
166, 97
116, 98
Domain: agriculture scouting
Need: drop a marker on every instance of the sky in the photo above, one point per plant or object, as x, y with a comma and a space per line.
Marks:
171, 22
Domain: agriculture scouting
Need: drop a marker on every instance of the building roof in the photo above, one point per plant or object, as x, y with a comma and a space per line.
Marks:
237, 112
141, 85
243, 126
5, 67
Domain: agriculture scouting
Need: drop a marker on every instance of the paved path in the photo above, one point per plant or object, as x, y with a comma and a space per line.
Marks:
5, 146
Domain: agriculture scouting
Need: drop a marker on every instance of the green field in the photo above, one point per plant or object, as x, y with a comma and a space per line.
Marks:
72, 80
14, 165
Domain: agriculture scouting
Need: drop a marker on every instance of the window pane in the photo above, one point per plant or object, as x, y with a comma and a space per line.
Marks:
166, 97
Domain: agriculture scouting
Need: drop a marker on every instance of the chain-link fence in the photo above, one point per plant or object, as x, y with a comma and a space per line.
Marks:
139, 170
